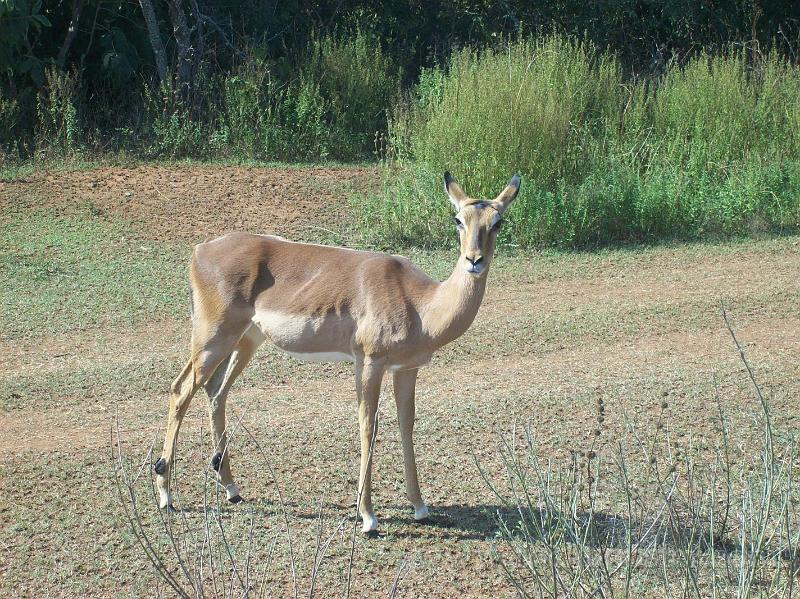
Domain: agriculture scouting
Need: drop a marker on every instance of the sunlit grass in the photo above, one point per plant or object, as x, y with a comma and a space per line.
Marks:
710, 149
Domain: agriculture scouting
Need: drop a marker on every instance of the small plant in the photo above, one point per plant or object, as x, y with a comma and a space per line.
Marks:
59, 127
642, 515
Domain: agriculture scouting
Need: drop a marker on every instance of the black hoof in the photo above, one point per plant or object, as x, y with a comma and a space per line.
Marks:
160, 467
170, 509
424, 521
236, 499
216, 461
372, 534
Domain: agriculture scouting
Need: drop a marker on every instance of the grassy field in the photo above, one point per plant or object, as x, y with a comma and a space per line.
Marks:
95, 325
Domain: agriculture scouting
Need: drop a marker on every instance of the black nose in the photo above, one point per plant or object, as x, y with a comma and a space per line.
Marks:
475, 261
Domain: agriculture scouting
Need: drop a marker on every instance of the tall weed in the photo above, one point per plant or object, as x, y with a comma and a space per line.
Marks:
173, 132
334, 104
59, 127
710, 148
358, 81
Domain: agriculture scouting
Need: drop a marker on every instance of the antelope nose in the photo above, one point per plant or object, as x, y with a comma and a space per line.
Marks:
475, 261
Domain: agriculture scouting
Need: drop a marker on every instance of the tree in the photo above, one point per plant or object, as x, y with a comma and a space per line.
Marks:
18, 19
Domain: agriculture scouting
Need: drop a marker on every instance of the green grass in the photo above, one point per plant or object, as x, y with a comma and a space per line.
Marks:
80, 272
710, 149
86, 160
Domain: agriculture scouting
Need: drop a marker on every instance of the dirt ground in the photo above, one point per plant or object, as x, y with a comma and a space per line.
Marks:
638, 327
192, 203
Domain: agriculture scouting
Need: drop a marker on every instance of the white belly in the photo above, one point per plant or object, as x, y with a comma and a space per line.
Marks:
308, 338
327, 356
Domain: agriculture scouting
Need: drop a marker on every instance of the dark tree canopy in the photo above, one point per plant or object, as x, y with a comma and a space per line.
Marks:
109, 42
132, 61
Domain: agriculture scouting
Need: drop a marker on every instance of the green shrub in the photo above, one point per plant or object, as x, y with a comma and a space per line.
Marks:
267, 119
710, 149
530, 108
715, 112
172, 132
334, 103
245, 104
297, 129
358, 81
59, 127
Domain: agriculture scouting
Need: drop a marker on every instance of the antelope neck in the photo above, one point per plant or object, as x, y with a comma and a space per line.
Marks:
454, 304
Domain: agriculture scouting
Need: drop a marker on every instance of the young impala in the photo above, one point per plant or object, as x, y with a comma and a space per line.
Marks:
329, 304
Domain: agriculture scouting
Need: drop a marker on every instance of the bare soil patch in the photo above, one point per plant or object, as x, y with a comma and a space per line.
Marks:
192, 203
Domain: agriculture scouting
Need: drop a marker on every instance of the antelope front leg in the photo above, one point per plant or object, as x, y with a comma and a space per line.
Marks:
405, 382
369, 374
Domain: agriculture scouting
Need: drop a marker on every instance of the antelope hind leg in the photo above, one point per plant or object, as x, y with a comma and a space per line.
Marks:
217, 389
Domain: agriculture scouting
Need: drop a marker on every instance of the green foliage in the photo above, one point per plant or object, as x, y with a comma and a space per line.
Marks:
661, 133
334, 106
19, 19
245, 98
298, 126
711, 148
714, 112
369, 50
171, 129
57, 111
266, 119
358, 81
535, 104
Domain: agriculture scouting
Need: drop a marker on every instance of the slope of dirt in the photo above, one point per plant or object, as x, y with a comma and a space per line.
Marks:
193, 203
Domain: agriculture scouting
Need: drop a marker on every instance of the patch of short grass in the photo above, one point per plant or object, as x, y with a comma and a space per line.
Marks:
61, 273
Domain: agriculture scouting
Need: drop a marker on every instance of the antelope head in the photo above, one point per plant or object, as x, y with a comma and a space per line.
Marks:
478, 222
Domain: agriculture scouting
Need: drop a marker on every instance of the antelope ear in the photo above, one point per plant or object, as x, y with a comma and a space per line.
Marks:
508, 195
454, 191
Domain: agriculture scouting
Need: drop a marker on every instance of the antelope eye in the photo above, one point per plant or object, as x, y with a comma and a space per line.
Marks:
458, 222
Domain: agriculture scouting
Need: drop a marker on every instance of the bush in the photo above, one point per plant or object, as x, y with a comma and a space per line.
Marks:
59, 127
245, 104
334, 104
711, 148
358, 81
266, 119
171, 131
716, 112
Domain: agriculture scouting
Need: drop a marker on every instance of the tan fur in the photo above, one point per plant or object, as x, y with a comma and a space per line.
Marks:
380, 311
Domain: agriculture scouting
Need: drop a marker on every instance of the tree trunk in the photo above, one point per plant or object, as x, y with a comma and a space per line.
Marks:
72, 31
155, 39
183, 41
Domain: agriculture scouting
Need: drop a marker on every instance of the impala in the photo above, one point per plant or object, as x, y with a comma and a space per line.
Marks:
325, 303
